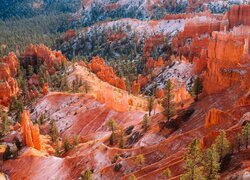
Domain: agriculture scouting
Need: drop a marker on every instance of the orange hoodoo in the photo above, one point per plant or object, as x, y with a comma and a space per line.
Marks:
30, 132
8, 84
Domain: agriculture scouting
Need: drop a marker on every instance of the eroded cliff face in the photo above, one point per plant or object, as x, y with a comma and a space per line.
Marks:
8, 83
239, 15
196, 34
106, 73
228, 59
30, 132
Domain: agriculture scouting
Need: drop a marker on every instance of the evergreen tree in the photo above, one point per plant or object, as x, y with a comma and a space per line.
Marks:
66, 145
145, 122
197, 88
121, 139
151, 100
113, 125
193, 160
238, 141
54, 131
222, 144
167, 103
112, 138
5, 124
211, 163
246, 134
87, 175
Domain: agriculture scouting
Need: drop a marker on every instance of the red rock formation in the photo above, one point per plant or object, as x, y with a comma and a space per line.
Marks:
225, 59
44, 55
239, 15
12, 61
151, 63
30, 132
214, 116
195, 36
106, 73
8, 84
69, 34
200, 64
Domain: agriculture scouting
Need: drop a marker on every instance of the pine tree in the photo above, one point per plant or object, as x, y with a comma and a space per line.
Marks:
193, 160
222, 144
5, 124
87, 175
238, 141
211, 163
54, 131
66, 145
167, 103
197, 88
112, 138
151, 100
121, 139
112, 124
246, 134
145, 122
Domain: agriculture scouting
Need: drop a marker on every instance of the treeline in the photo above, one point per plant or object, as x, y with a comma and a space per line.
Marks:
29, 8
18, 33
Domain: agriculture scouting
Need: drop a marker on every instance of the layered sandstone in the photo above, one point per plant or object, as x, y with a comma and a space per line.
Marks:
8, 84
30, 132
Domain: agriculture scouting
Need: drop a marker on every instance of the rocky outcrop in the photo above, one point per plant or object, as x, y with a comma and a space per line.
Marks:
213, 117
8, 84
37, 55
30, 132
195, 36
106, 73
238, 15
226, 58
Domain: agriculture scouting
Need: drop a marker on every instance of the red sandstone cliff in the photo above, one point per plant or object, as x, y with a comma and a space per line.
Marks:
238, 15
227, 55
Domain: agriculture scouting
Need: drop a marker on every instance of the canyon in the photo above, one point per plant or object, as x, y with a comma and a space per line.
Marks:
97, 123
